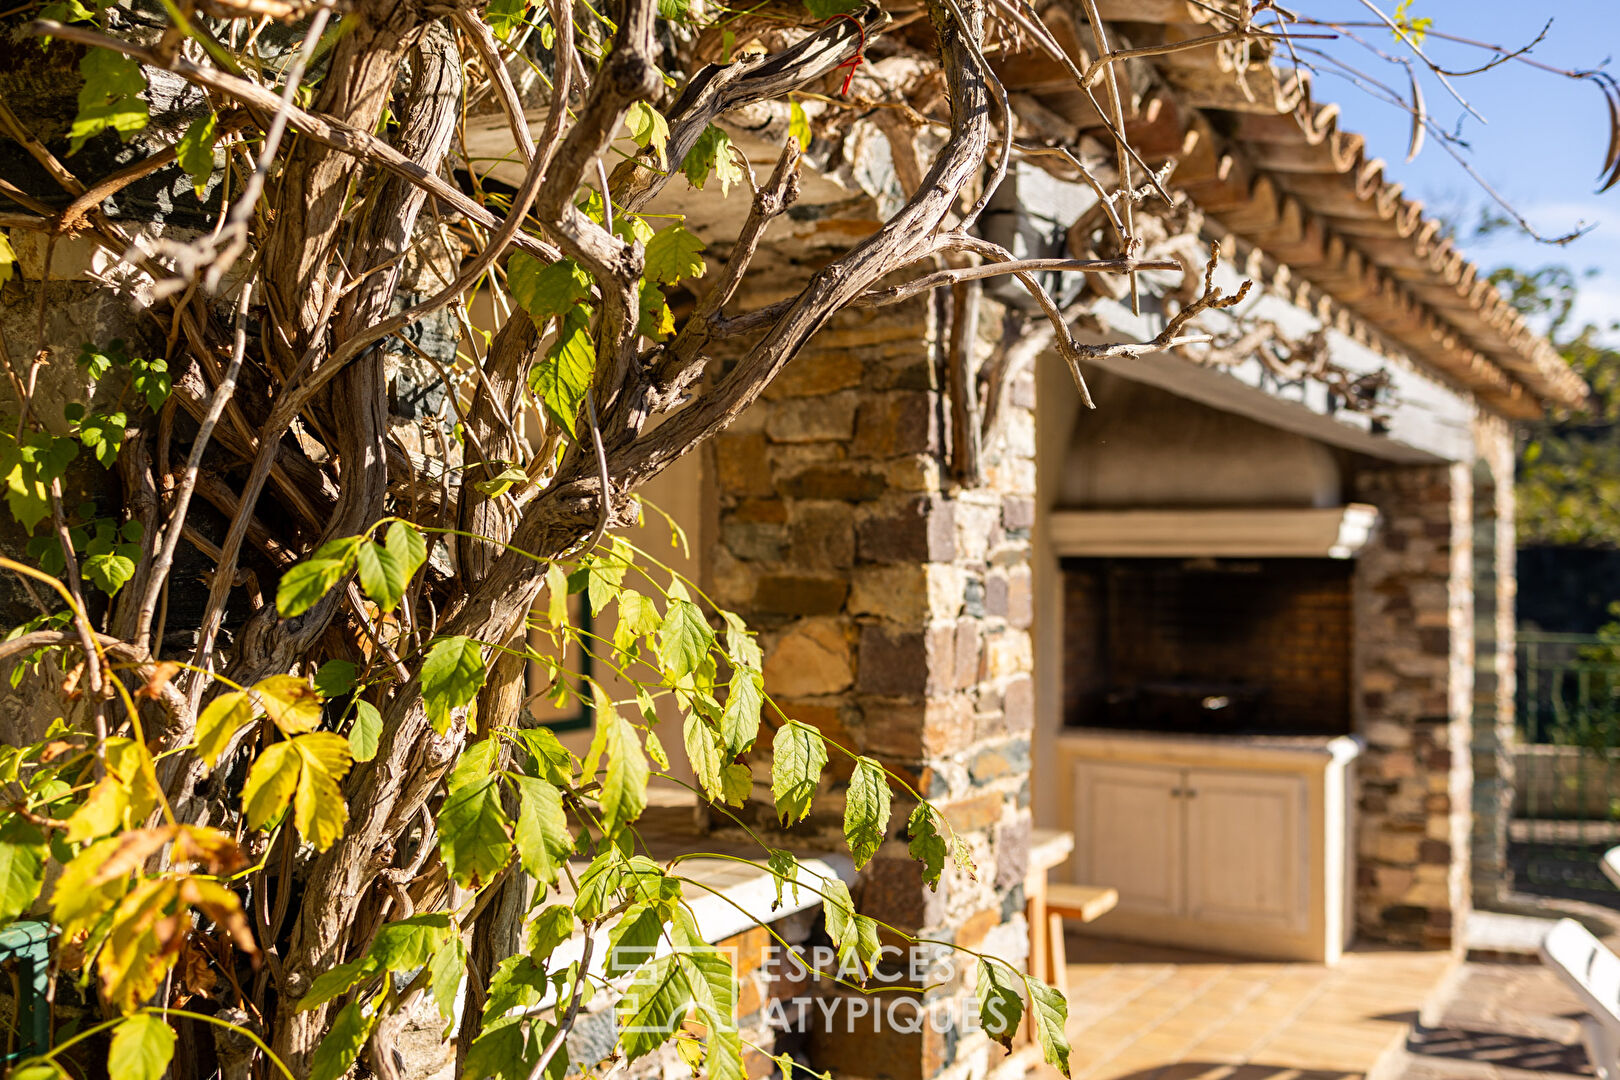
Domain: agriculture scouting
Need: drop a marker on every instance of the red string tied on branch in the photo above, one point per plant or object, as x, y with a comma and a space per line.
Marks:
855, 61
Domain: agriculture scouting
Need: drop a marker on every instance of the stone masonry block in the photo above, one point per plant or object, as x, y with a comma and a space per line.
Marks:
811, 659
920, 529
741, 464
901, 422
794, 594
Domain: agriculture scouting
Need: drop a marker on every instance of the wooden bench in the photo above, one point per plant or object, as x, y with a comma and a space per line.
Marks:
1593, 972
1049, 903
1082, 903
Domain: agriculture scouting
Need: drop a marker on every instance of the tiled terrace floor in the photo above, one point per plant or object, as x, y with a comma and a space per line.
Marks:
1141, 1012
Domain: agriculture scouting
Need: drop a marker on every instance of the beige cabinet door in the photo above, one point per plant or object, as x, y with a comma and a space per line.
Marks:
1129, 833
1246, 855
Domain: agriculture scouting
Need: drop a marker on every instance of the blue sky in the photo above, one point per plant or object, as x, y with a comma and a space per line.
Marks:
1542, 142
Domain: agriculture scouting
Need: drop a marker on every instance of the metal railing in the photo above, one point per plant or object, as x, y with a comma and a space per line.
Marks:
1566, 803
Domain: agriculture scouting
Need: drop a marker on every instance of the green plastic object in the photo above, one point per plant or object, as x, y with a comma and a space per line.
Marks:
26, 944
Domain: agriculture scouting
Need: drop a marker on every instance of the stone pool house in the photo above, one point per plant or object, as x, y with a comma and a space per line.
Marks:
1245, 630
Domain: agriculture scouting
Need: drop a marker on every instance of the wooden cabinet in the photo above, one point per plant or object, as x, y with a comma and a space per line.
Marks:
1245, 859
1134, 837
1210, 854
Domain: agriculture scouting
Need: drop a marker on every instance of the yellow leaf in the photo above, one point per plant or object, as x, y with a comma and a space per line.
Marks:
142, 944
291, 703
132, 763
270, 784
217, 851
134, 847
219, 723
327, 751
318, 807
104, 810
77, 903
221, 905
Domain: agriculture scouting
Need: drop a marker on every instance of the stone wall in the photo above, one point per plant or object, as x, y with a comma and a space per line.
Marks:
1495, 590
894, 608
1414, 679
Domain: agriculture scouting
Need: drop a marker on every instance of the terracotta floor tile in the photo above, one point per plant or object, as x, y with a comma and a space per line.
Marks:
1148, 1013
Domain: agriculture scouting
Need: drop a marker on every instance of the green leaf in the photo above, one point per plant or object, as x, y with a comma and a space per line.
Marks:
866, 810
219, 723
785, 870
649, 128
742, 649
604, 578
724, 1060
549, 929
673, 254
554, 762
655, 320
303, 585
333, 984
798, 755
498, 485
505, 16
366, 731
561, 379
683, 639
926, 846
653, 1006
638, 616
103, 435
655, 750
624, 790
473, 836
152, 381
477, 763
798, 125
739, 725
335, 678
634, 938
546, 290
22, 867
854, 936
108, 571
702, 752
557, 597
408, 944
736, 784
343, 1043
711, 153
1001, 1007
110, 97
446, 970
541, 830
1050, 1014
195, 151
452, 675
386, 570
517, 983
141, 1048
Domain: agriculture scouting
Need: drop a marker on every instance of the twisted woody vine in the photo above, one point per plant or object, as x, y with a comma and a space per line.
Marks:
316, 809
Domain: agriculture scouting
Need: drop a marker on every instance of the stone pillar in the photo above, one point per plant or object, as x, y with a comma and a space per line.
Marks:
1495, 585
1414, 684
894, 608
